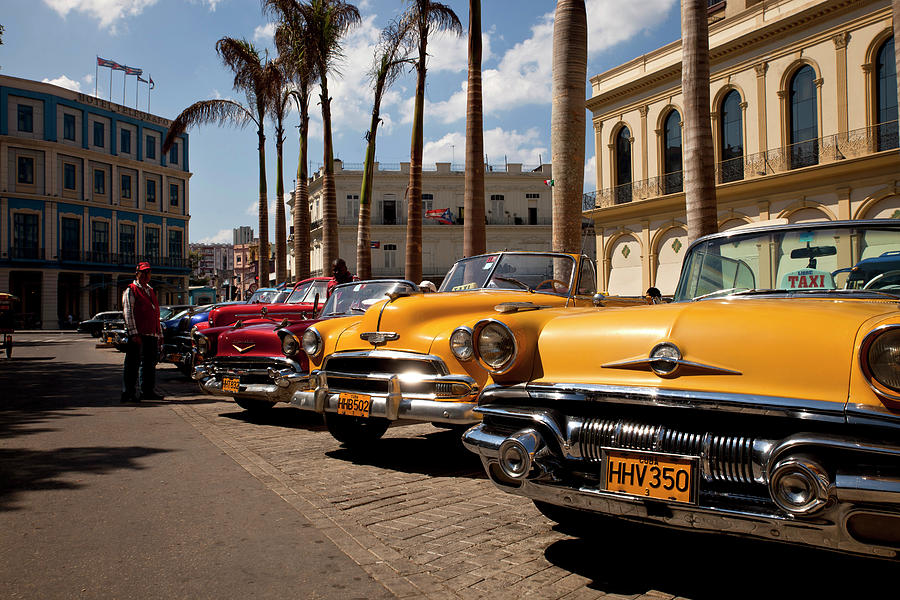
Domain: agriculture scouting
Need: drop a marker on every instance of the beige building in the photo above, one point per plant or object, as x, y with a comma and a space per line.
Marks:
804, 118
86, 193
517, 210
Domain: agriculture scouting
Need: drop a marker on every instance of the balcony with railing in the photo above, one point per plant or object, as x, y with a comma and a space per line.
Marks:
825, 150
93, 258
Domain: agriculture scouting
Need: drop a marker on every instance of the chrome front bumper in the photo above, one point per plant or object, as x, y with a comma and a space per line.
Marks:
284, 377
857, 496
395, 405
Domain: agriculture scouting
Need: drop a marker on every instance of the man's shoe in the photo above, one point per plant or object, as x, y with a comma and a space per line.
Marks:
151, 396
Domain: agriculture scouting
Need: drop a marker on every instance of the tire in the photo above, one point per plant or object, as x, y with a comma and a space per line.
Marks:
95, 333
355, 432
253, 405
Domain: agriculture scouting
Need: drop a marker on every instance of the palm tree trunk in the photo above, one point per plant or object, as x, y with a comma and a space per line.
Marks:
413, 270
263, 264
330, 242
699, 167
301, 201
363, 246
280, 233
567, 122
474, 234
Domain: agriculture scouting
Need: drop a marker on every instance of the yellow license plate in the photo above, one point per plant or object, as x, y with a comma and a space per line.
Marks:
650, 475
354, 405
231, 384
109, 339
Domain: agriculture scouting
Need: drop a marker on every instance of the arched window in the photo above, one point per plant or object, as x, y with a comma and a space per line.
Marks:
886, 96
672, 167
804, 119
731, 139
623, 166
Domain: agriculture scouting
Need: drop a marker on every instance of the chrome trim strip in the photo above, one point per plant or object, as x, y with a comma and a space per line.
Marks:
739, 403
645, 364
260, 391
877, 416
394, 408
391, 355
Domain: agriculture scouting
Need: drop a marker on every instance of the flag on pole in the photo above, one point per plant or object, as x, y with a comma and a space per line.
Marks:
152, 85
111, 64
441, 215
133, 71
141, 79
549, 182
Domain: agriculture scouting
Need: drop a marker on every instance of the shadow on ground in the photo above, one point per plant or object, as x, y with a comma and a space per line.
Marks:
24, 470
437, 454
632, 559
281, 415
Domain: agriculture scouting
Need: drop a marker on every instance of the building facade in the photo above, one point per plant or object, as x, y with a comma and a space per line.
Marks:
246, 270
517, 211
804, 118
215, 264
85, 194
242, 235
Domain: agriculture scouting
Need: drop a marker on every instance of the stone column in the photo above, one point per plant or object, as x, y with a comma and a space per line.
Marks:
645, 168
840, 45
761, 69
84, 301
49, 298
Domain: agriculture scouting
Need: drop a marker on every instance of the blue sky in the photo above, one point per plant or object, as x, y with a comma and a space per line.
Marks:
174, 42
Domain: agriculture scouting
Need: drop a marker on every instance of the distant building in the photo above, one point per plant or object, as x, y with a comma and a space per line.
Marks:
242, 235
246, 270
804, 118
517, 211
216, 264
85, 194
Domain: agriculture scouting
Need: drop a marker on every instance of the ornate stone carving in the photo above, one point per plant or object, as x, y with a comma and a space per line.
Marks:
761, 69
840, 39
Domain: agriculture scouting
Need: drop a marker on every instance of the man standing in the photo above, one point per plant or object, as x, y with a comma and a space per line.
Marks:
339, 274
141, 310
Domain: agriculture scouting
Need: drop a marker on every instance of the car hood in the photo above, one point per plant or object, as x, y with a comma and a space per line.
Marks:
226, 315
796, 348
257, 340
419, 319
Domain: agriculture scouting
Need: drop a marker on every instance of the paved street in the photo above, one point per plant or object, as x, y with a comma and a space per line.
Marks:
192, 498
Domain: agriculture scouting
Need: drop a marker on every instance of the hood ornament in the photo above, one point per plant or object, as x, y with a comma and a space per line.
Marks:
666, 360
244, 348
264, 312
377, 338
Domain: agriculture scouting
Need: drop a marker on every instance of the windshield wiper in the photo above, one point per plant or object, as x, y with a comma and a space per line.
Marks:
735, 291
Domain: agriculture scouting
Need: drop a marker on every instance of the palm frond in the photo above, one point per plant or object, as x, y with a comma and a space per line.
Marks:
204, 112
441, 17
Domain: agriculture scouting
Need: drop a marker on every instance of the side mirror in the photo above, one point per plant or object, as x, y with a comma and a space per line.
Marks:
598, 299
316, 304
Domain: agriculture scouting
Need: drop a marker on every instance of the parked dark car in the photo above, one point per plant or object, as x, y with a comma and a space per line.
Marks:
95, 325
166, 312
176, 348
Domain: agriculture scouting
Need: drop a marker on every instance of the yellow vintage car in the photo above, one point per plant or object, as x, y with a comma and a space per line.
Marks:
764, 401
409, 357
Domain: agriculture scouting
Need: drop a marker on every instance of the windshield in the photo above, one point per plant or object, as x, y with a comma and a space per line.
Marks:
306, 293
805, 260
355, 298
545, 273
263, 297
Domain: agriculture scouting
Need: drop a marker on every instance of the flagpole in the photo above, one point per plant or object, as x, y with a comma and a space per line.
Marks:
149, 87
136, 92
96, 74
124, 81
110, 84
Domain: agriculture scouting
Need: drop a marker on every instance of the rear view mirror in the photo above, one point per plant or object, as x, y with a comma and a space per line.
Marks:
813, 252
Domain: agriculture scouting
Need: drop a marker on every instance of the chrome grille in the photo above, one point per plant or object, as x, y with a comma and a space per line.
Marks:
725, 458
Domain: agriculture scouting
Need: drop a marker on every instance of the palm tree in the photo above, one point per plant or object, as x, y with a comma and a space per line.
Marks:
256, 78
327, 21
291, 39
567, 122
474, 235
390, 56
280, 106
699, 167
424, 17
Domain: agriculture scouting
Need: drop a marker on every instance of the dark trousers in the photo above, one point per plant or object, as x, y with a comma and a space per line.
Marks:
143, 355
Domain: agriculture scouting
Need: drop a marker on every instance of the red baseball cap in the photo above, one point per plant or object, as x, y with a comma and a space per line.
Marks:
143, 266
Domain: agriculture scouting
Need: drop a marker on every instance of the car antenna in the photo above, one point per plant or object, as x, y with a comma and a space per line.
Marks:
584, 231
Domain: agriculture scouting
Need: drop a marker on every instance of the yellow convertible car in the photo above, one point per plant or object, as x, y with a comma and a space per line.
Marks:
410, 357
763, 402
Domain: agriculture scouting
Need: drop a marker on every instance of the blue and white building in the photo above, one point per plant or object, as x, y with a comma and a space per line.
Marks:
85, 194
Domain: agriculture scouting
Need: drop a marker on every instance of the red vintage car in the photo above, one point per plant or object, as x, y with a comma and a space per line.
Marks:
301, 304
260, 362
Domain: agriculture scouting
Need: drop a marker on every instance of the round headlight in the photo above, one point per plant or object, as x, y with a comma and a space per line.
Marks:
461, 343
202, 344
312, 342
290, 345
883, 359
496, 345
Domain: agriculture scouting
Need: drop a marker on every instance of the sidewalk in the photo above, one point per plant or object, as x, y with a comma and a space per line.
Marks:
104, 500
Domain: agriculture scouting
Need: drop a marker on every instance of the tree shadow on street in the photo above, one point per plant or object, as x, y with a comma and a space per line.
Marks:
278, 416
437, 454
633, 559
23, 470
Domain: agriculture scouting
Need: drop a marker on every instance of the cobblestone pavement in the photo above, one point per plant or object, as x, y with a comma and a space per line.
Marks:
419, 516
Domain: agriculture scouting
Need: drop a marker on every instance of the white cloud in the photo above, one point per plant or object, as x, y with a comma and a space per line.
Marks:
590, 173
500, 145
524, 75
264, 33
223, 236
108, 12
65, 82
